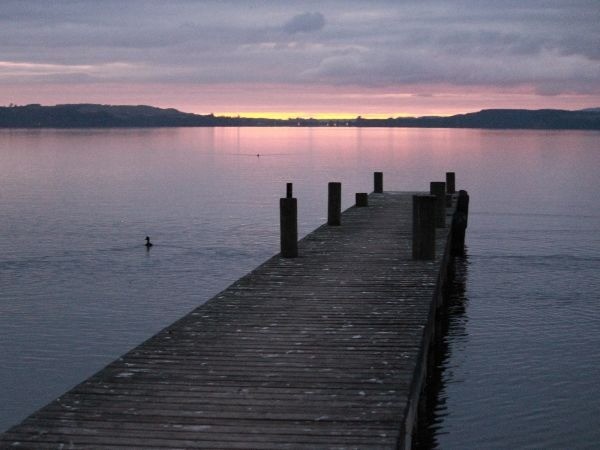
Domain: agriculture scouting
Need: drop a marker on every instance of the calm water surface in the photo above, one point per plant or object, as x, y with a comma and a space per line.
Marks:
521, 358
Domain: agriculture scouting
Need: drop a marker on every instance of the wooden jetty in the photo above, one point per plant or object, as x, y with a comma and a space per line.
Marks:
324, 350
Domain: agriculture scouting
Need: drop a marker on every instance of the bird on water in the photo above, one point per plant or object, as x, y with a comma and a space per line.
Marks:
148, 244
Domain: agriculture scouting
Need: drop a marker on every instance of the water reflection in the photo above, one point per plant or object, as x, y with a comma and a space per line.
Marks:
450, 331
79, 289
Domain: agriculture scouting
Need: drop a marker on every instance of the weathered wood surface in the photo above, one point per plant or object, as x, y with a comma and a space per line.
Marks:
319, 351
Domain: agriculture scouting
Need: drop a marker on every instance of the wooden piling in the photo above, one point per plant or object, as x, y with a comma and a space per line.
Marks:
288, 220
334, 204
450, 182
459, 224
378, 182
288, 190
424, 221
438, 189
362, 199
463, 204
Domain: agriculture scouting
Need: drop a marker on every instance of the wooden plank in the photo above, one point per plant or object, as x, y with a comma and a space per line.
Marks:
320, 351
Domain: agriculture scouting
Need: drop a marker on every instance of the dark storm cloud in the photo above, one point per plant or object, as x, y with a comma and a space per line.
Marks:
551, 45
304, 23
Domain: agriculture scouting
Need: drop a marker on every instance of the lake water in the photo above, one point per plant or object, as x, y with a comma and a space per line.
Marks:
520, 361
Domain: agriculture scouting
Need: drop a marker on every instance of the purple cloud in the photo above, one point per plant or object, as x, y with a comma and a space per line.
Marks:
304, 23
507, 44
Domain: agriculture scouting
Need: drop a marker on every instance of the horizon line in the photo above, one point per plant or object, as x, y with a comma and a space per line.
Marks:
302, 115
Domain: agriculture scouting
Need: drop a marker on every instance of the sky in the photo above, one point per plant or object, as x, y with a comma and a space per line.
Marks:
303, 58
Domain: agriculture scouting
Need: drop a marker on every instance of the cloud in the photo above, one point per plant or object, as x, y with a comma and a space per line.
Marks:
548, 46
409, 66
24, 73
304, 23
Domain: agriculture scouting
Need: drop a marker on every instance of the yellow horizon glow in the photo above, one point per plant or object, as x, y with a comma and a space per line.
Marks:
284, 115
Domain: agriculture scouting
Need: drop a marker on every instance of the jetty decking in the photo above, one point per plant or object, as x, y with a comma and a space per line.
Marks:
326, 350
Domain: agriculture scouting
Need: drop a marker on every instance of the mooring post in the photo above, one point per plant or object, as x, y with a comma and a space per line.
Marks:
438, 188
334, 203
362, 199
288, 221
450, 188
288, 190
424, 213
450, 182
459, 224
463, 204
378, 182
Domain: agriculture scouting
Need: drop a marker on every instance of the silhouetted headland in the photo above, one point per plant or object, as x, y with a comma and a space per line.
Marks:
124, 116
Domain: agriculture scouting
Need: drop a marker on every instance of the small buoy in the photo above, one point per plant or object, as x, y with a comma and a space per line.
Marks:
148, 244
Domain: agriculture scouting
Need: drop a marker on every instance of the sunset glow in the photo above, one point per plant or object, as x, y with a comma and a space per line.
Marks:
282, 115
310, 59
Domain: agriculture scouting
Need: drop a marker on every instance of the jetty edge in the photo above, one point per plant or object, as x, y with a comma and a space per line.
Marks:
325, 349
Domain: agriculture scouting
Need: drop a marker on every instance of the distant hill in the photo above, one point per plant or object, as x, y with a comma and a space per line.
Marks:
91, 115
543, 119
110, 116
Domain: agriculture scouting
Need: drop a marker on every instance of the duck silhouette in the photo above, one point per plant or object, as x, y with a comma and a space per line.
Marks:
148, 244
